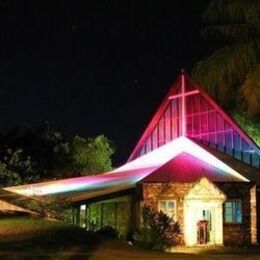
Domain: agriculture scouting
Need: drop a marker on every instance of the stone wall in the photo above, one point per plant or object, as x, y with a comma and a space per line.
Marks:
253, 209
258, 214
233, 233
246, 231
152, 193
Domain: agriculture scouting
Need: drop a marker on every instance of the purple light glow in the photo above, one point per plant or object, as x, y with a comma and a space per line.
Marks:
128, 174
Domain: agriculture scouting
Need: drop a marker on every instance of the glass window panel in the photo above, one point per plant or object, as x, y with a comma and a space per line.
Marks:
179, 109
148, 145
229, 143
204, 105
189, 125
168, 207
155, 137
246, 154
228, 218
196, 125
174, 107
212, 140
171, 204
83, 207
233, 212
212, 121
162, 205
142, 151
237, 147
196, 106
167, 125
220, 141
255, 160
220, 123
204, 123
174, 128
189, 105
161, 131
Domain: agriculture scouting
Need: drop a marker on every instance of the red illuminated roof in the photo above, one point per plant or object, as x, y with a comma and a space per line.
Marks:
188, 111
187, 168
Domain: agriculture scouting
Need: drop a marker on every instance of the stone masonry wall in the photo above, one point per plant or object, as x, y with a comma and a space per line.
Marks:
246, 231
152, 193
233, 233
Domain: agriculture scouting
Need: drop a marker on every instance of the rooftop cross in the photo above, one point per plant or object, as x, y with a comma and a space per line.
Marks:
183, 95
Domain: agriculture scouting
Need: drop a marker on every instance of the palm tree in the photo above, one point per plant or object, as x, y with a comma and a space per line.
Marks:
232, 74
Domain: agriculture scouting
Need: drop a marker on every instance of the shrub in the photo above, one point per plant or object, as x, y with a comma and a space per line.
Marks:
159, 231
53, 208
108, 232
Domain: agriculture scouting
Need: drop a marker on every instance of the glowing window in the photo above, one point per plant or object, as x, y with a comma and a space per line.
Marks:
168, 207
233, 211
83, 207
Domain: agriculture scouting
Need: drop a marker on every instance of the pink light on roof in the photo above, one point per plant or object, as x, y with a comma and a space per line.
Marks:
128, 174
188, 111
127, 177
155, 158
203, 155
163, 154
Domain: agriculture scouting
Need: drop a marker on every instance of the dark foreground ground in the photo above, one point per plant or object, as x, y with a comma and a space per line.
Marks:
26, 238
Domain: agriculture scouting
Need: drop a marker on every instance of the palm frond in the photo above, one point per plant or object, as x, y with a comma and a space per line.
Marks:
250, 92
226, 69
232, 11
233, 32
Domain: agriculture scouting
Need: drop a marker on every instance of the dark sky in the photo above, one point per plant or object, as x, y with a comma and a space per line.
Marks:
92, 67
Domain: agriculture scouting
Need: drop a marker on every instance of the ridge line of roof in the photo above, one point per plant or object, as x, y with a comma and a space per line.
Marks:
149, 128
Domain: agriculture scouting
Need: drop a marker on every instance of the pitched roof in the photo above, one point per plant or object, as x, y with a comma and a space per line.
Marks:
187, 110
249, 172
126, 176
187, 168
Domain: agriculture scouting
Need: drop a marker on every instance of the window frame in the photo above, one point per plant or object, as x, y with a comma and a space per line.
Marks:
241, 208
175, 207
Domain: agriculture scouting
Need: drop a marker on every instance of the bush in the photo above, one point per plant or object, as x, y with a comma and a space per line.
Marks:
159, 231
53, 208
108, 232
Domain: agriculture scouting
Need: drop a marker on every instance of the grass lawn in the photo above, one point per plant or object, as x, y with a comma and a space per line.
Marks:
22, 238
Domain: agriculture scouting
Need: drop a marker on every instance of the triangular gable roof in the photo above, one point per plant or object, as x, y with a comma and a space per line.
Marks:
249, 172
205, 189
187, 168
126, 176
204, 120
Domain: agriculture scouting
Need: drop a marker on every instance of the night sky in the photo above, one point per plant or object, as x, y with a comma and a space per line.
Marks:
94, 67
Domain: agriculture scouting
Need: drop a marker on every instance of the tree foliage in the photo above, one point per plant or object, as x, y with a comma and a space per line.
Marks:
92, 155
39, 154
231, 74
16, 168
37, 143
252, 127
51, 207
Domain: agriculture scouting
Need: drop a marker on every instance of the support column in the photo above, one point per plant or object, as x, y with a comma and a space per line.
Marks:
77, 216
219, 224
253, 215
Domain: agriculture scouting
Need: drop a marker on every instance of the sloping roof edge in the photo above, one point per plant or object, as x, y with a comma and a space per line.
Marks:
166, 101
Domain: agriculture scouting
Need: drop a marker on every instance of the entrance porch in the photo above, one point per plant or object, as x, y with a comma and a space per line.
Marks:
203, 214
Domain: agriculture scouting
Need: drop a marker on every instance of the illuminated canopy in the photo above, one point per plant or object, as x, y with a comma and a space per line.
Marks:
128, 175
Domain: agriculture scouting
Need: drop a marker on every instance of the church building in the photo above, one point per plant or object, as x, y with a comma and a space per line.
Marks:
193, 162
